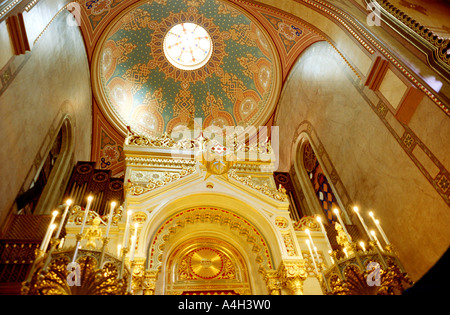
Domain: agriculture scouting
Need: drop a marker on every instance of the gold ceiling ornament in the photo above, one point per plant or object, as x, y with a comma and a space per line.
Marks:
61, 277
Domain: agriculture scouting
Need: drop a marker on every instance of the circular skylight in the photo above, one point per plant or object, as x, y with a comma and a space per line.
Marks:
187, 46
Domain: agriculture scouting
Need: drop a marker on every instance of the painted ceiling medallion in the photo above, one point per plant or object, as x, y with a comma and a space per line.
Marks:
142, 77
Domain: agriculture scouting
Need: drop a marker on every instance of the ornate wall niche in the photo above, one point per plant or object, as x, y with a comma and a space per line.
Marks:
206, 266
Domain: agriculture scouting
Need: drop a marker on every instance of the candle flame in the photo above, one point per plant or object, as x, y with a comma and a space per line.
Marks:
68, 202
355, 209
113, 204
55, 213
90, 198
319, 219
336, 210
371, 213
362, 246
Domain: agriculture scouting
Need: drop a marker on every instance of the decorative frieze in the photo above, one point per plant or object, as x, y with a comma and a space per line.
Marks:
167, 178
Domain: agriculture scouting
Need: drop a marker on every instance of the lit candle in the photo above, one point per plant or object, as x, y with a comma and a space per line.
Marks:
86, 212
324, 233
362, 222
312, 244
49, 230
312, 256
133, 247
343, 225
63, 219
113, 205
127, 229
377, 223
317, 255
49, 236
376, 240
136, 229
88, 206
362, 246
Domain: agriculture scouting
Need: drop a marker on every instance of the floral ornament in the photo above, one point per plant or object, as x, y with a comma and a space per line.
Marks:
100, 6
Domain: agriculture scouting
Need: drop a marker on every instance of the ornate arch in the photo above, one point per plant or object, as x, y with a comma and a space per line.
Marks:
307, 149
239, 226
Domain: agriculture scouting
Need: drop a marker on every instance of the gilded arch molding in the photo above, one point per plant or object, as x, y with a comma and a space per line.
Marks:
221, 218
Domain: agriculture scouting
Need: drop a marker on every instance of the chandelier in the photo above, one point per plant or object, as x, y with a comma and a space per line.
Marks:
357, 268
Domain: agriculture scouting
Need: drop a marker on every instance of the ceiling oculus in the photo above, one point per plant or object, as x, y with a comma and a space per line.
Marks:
187, 46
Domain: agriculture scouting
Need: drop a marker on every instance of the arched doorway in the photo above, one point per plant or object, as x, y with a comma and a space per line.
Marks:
206, 266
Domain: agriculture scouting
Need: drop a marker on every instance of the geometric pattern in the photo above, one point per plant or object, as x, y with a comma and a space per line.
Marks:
239, 74
320, 183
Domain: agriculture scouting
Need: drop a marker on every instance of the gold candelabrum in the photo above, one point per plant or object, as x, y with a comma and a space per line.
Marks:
357, 269
80, 271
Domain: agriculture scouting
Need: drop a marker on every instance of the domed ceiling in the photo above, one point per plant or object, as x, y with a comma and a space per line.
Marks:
221, 69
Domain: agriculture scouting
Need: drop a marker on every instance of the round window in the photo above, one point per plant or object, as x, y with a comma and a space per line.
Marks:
187, 46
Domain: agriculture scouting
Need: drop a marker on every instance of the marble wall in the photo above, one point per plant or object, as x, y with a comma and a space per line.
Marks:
45, 85
367, 157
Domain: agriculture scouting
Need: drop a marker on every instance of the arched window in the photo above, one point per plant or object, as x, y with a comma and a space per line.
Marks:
44, 192
320, 183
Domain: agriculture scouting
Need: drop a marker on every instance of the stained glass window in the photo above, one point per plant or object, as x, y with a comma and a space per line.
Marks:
320, 184
188, 46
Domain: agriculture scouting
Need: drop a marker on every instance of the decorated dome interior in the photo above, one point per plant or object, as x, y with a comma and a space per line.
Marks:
234, 83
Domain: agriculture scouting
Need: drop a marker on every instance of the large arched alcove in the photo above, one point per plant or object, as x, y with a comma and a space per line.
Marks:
242, 218
248, 228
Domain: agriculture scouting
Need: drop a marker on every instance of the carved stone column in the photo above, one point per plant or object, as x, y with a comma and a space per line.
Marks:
149, 282
293, 274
